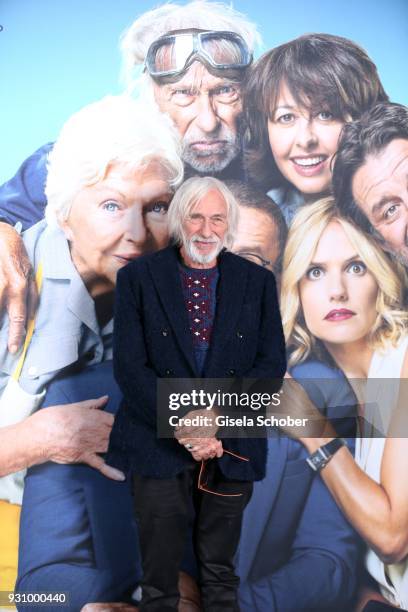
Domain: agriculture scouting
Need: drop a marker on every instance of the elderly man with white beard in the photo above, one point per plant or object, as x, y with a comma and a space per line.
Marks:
193, 310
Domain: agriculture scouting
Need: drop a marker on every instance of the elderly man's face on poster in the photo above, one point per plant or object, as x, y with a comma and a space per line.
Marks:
205, 109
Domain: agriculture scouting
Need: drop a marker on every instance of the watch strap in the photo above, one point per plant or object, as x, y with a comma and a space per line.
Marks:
321, 457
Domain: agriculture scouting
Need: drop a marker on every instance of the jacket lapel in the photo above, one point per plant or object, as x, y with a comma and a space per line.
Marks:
260, 507
166, 277
230, 295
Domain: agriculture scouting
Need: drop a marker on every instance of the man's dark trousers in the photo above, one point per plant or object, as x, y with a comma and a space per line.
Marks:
164, 506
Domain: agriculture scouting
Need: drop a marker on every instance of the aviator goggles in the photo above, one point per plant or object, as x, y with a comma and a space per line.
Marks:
171, 54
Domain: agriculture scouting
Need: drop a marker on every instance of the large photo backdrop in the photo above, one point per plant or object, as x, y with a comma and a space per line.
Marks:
307, 154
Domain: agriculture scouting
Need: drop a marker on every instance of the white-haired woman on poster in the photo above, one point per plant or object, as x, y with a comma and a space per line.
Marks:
111, 176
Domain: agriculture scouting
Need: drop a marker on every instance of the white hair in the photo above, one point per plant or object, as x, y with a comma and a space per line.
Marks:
136, 40
189, 194
116, 129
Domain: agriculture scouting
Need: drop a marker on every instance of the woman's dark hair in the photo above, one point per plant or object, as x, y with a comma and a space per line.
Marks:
322, 72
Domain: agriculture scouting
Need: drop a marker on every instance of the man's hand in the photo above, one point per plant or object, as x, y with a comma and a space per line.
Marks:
75, 433
208, 430
18, 292
200, 440
207, 449
202, 448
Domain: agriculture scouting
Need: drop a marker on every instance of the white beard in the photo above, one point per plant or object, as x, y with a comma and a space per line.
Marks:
198, 257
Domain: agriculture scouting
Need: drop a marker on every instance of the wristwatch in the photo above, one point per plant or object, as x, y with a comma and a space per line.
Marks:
323, 454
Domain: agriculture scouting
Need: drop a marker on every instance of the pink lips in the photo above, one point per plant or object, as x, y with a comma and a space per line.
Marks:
340, 314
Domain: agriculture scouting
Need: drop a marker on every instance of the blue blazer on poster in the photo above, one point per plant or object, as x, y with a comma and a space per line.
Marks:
77, 531
22, 198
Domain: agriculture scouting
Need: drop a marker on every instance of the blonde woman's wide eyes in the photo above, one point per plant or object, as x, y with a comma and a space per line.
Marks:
357, 268
314, 273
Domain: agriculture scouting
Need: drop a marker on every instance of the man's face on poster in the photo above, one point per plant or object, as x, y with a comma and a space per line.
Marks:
257, 237
380, 189
206, 110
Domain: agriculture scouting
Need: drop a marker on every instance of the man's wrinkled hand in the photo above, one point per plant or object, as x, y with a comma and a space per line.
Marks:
198, 431
202, 448
76, 433
18, 292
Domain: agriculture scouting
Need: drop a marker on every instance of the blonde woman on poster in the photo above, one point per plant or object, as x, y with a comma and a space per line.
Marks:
343, 305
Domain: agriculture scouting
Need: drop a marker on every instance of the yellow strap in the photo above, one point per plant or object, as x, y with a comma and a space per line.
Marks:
9, 521
30, 327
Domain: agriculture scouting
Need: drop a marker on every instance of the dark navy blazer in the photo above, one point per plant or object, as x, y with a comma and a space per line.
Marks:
152, 339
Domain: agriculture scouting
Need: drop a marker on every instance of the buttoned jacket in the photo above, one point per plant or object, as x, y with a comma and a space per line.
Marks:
152, 340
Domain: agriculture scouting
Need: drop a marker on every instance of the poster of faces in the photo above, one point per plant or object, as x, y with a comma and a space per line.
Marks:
300, 111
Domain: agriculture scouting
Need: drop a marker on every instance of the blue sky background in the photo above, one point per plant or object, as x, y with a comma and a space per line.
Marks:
58, 55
